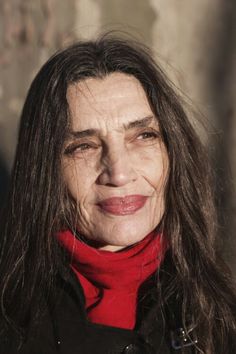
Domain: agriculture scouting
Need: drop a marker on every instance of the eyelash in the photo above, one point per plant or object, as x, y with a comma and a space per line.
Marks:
147, 135
80, 147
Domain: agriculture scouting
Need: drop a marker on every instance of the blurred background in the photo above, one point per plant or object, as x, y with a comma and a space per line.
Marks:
194, 41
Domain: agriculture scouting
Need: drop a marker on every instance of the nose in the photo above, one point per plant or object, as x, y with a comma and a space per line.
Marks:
117, 169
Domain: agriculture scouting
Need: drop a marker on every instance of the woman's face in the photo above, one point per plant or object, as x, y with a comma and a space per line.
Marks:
114, 163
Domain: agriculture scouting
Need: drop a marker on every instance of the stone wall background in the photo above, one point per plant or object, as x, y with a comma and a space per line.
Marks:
194, 41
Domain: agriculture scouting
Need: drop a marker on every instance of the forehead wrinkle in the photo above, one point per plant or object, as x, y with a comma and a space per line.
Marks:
83, 93
143, 122
140, 122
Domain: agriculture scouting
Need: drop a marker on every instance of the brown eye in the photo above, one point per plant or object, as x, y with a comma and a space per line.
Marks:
83, 147
78, 148
148, 135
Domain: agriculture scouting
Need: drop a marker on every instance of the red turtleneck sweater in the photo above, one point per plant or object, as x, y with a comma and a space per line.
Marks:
111, 280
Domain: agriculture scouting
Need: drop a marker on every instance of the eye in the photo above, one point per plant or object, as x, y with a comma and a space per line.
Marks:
79, 148
148, 135
83, 147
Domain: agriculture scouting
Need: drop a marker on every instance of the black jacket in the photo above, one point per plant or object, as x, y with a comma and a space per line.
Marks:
66, 329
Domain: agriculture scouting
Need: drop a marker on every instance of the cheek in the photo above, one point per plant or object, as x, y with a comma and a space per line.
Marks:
153, 167
78, 179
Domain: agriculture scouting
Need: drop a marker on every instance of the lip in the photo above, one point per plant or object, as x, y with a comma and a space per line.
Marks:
126, 205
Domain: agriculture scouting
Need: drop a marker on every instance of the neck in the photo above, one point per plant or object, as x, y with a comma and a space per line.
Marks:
102, 246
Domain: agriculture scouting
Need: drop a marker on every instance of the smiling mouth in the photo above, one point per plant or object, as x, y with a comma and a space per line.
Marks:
123, 205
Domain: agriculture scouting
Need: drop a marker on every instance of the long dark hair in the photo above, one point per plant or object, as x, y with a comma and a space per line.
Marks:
37, 204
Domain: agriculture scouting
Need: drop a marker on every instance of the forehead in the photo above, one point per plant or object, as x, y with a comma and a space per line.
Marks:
112, 101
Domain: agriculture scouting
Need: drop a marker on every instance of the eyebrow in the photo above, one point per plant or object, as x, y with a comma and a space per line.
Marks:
144, 122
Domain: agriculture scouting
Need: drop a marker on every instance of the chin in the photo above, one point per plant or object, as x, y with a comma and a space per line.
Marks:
126, 234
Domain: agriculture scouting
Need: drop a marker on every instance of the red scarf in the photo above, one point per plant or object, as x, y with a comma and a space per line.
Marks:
111, 280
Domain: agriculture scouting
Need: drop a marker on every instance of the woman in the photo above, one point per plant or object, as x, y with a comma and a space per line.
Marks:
108, 243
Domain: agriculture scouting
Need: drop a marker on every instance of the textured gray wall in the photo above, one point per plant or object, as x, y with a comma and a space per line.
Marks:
195, 41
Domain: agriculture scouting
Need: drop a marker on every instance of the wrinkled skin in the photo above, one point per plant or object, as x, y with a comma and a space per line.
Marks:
114, 160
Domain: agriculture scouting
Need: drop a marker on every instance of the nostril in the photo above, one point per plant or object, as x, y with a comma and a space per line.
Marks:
111, 185
116, 173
